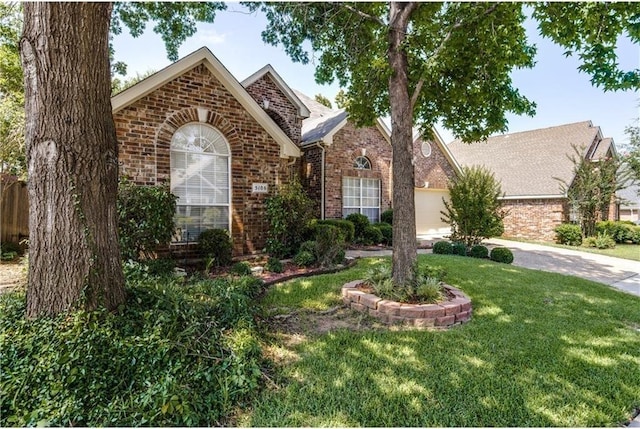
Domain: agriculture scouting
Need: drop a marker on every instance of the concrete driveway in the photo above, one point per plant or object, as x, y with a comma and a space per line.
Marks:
623, 274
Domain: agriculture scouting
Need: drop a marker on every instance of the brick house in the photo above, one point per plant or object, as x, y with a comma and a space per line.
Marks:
224, 146
528, 164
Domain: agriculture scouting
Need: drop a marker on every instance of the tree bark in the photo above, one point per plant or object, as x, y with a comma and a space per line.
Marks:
404, 226
74, 257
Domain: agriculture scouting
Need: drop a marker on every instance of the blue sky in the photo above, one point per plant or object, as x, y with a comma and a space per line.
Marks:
562, 94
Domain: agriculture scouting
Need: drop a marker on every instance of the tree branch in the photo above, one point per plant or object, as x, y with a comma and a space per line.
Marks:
459, 23
362, 14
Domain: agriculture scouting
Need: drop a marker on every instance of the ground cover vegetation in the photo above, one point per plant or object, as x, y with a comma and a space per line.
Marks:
177, 353
542, 349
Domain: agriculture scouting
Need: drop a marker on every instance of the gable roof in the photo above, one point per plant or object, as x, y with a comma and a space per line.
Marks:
303, 111
324, 122
444, 148
205, 57
527, 163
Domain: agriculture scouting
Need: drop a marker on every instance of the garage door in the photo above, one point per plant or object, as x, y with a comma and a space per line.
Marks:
428, 206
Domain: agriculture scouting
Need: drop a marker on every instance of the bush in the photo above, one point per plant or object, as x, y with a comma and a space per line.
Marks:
304, 259
175, 355
329, 245
274, 265
387, 216
216, 245
242, 268
442, 248
601, 241
10, 250
479, 251
308, 246
474, 209
372, 235
145, 219
387, 233
620, 231
347, 227
635, 235
569, 234
360, 223
501, 254
290, 212
459, 249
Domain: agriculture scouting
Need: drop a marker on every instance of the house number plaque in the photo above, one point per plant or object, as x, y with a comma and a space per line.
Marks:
259, 188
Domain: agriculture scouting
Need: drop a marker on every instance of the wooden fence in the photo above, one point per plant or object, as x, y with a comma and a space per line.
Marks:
14, 210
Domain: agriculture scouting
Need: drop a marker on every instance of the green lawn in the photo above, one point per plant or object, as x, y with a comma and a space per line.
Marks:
624, 251
541, 350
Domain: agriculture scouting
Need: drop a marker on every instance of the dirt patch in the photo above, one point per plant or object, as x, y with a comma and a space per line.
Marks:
13, 275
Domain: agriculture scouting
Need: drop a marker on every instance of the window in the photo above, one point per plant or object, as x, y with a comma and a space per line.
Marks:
426, 149
200, 170
360, 195
362, 163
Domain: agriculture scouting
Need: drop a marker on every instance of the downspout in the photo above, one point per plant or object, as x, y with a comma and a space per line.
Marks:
319, 145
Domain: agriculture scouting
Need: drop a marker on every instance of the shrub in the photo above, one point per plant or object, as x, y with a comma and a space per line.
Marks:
479, 251
242, 268
304, 259
620, 231
372, 235
175, 355
290, 212
501, 254
569, 233
442, 248
387, 216
387, 233
274, 265
145, 219
347, 227
635, 235
10, 250
216, 245
429, 289
601, 241
360, 223
329, 245
459, 249
474, 209
308, 246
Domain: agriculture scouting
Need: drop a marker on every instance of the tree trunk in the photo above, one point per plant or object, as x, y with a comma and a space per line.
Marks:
404, 213
74, 257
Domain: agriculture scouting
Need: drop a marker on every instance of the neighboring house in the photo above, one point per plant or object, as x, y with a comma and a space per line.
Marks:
530, 166
629, 203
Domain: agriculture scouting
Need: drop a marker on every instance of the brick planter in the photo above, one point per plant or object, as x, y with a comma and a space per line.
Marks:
447, 313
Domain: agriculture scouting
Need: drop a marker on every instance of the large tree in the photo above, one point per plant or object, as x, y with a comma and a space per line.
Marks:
71, 147
449, 62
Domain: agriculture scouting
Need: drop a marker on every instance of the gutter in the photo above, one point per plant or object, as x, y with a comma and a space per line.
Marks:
533, 197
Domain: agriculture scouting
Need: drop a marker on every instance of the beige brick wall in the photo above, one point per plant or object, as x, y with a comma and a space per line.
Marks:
534, 219
145, 128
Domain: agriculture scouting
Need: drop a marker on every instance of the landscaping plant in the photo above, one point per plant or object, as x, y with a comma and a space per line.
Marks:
145, 219
274, 265
290, 212
215, 244
479, 251
176, 354
569, 233
442, 248
474, 209
360, 223
601, 241
502, 255
387, 216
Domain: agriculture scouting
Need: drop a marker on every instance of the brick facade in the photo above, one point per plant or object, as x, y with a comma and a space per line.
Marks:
145, 128
434, 169
534, 219
348, 144
280, 109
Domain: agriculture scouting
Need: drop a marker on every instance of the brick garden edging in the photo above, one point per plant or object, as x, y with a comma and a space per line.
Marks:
454, 311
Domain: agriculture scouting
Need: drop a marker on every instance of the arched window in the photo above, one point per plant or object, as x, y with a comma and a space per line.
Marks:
200, 171
362, 163
426, 149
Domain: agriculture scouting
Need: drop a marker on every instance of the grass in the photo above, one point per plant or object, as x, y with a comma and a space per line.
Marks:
542, 349
624, 251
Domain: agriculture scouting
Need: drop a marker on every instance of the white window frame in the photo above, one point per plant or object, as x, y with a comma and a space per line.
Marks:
227, 205
360, 207
362, 163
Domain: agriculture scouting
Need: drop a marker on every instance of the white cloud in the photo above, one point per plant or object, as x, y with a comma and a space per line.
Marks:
211, 37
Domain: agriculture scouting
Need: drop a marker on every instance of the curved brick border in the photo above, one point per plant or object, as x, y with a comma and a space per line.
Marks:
448, 313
